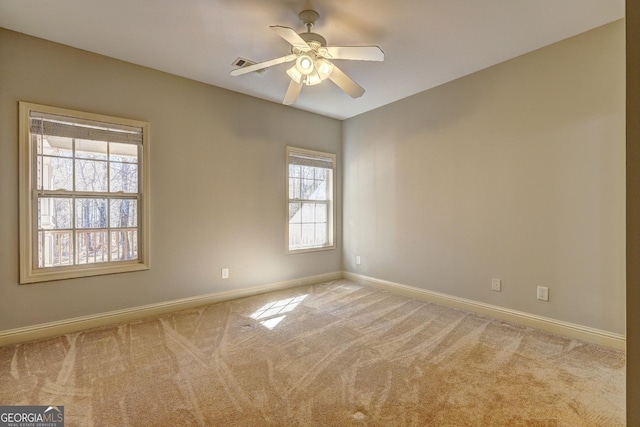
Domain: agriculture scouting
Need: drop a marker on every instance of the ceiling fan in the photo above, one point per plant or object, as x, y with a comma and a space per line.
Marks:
311, 55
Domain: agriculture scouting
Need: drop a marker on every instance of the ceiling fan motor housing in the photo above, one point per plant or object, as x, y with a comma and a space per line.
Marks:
313, 38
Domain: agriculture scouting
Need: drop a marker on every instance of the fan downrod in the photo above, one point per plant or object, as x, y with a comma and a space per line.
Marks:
309, 18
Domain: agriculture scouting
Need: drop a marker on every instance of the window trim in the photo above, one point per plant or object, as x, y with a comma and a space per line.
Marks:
28, 218
331, 201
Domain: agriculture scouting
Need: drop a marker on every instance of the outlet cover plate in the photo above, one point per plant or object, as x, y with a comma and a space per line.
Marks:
496, 285
543, 293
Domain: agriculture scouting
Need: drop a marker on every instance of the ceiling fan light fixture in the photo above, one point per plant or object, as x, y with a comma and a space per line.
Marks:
304, 64
295, 75
313, 79
322, 70
325, 68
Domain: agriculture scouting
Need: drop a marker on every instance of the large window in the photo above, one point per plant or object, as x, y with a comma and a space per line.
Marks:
84, 194
310, 200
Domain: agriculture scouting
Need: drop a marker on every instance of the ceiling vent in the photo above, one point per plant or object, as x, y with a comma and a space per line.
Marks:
243, 63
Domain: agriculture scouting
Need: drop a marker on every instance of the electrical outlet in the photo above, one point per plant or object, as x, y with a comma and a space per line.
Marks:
358, 259
543, 293
225, 273
496, 285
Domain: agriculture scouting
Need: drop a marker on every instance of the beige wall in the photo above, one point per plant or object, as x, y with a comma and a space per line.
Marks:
217, 181
633, 213
515, 172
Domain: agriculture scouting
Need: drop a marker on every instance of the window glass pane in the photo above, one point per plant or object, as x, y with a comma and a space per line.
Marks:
307, 189
294, 212
321, 212
308, 231
127, 153
321, 234
54, 213
87, 149
123, 213
55, 173
321, 174
93, 246
123, 177
57, 146
124, 245
55, 248
91, 175
295, 171
308, 212
91, 213
294, 188
319, 190
295, 236
308, 172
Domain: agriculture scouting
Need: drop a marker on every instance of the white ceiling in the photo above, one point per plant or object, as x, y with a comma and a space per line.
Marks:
426, 42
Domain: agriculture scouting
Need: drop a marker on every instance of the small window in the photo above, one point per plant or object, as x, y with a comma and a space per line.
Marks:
84, 187
310, 206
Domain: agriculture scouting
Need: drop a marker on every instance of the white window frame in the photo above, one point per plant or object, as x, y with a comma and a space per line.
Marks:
30, 272
331, 191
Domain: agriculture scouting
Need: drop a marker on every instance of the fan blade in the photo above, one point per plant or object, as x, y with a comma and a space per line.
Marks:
260, 66
345, 83
358, 53
292, 93
290, 35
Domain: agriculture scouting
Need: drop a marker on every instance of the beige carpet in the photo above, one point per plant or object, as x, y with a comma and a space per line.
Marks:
335, 354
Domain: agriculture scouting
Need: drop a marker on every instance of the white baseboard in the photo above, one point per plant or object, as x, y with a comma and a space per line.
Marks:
52, 329
584, 333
